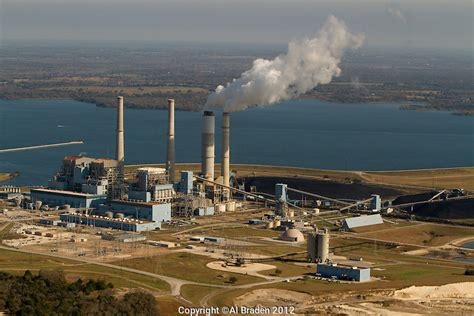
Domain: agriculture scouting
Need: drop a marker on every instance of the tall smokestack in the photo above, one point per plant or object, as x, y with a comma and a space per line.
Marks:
208, 131
120, 142
225, 165
170, 154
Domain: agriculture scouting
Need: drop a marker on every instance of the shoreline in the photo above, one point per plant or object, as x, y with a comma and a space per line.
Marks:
401, 105
5, 176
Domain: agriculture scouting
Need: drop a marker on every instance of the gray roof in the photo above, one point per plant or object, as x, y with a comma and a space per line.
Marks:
364, 220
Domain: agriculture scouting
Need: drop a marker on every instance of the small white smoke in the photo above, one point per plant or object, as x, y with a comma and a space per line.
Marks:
308, 63
397, 13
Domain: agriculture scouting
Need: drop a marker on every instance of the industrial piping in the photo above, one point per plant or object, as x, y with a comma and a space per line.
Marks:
170, 154
208, 147
225, 164
120, 151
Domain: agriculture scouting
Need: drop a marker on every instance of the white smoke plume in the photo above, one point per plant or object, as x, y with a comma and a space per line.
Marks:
308, 63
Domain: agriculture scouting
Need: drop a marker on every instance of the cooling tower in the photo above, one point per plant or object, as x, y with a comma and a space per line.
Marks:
170, 153
120, 142
208, 131
225, 165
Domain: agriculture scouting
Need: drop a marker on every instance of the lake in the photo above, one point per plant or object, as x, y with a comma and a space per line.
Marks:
304, 133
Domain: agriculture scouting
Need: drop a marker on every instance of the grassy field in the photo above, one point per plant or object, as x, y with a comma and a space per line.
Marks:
186, 266
195, 293
400, 276
446, 178
17, 262
237, 232
423, 234
288, 269
430, 178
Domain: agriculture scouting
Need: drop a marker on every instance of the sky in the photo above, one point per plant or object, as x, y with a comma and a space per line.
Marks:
386, 23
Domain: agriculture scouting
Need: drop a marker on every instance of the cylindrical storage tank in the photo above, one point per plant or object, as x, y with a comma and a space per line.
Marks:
220, 208
269, 225
109, 214
230, 206
316, 211
119, 215
312, 247
323, 246
277, 222
291, 213
66, 207
38, 204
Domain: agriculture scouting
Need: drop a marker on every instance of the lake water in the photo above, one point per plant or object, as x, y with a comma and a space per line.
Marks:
469, 244
304, 133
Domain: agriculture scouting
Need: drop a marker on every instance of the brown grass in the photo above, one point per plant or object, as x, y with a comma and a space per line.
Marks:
423, 234
446, 178
186, 266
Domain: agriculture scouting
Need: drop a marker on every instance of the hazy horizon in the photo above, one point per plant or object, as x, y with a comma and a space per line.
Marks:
419, 24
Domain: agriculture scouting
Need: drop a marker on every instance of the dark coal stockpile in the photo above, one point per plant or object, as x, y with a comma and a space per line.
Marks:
453, 209
332, 189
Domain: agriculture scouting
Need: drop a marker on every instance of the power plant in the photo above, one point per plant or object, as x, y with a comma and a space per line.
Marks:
86, 183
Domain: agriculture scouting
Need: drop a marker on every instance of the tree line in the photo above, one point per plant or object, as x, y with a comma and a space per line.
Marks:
48, 293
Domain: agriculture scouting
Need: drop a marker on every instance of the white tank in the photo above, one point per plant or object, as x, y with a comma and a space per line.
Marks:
230, 206
291, 213
109, 214
220, 208
277, 222
119, 215
269, 225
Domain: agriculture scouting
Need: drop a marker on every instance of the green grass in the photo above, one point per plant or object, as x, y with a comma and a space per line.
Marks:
17, 262
186, 266
195, 293
423, 234
287, 269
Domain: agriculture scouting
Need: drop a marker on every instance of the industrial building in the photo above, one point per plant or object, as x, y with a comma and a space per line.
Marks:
150, 211
376, 203
292, 235
124, 237
154, 197
152, 185
89, 175
343, 272
361, 221
107, 222
281, 198
59, 198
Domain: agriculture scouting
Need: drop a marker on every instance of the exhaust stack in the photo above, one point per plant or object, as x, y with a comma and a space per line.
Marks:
120, 151
170, 154
208, 148
225, 164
